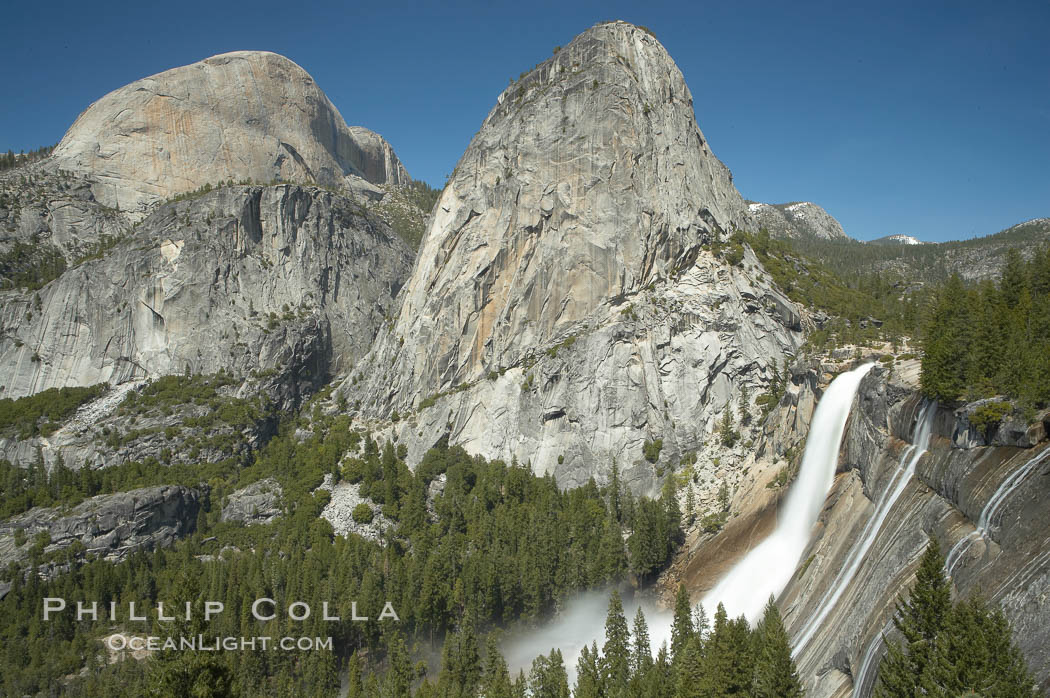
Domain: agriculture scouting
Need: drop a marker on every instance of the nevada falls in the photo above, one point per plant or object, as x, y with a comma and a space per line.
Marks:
243, 322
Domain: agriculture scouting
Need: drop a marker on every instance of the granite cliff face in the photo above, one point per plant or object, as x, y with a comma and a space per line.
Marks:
981, 498
566, 304
801, 219
246, 115
246, 278
290, 280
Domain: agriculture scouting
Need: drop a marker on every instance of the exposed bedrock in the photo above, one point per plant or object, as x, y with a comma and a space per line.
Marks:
245, 115
110, 526
565, 305
985, 504
281, 278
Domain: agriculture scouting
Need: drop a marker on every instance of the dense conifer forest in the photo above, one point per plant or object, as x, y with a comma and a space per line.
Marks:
494, 544
992, 338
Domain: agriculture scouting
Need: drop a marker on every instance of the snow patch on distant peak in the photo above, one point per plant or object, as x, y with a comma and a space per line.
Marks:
905, 239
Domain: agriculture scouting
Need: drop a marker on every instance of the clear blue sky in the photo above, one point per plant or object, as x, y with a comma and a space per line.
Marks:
929, 118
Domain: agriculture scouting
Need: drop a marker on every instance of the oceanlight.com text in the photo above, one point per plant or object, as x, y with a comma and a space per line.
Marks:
200, 643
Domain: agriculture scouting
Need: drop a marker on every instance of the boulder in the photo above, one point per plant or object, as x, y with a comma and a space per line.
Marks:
258, 503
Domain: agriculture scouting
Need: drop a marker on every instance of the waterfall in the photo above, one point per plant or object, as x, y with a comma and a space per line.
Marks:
764, 571
958, 550
991, 508
859, 551
864, 676
767, 568
1006, 489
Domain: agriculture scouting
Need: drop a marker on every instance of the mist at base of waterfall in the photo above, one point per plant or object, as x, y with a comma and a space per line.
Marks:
763, 572
581, 623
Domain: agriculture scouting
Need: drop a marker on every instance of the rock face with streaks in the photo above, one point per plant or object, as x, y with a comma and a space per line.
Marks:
246, 115
566, 304
283, 279
984, 501
985, 505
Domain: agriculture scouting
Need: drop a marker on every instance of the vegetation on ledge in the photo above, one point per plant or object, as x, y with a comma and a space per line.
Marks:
993, 338
41, 414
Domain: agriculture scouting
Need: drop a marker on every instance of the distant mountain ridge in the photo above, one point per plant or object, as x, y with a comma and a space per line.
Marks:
897, 239
976, 259
795, 220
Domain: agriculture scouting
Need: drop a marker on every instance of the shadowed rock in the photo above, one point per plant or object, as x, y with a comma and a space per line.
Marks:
110, 526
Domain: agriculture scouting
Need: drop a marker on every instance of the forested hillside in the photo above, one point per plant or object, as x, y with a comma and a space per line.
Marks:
493, 544
976, 258
979, 339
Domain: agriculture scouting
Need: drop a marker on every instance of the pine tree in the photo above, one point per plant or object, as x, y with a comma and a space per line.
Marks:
520, 689
650, 541
548, 678
461, 662
641, 655
615, 494
398, 679
682, 625
613, 558
616, 652
1014, 279
919, 618
946, 345
589, 682
976, 653
723, 496
495, 679
745, 405
356, 690
726, 433
660, 681
701, 625
672, 521
775, 674
727, 658
690, 670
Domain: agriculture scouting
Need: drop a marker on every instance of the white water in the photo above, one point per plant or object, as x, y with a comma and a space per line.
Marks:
871, 530
1006, 489
862, 680
767, 568
991, 508
987, 518
957, 551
